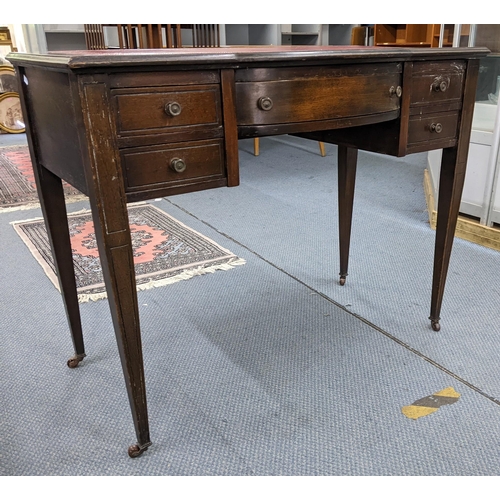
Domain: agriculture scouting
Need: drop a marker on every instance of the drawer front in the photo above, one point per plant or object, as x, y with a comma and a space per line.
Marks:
157, 109
430, 127
317, 94
160, 166
162, 78
437, 82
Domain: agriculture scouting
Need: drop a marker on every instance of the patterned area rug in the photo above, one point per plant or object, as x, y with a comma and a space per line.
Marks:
17, 183
165, 250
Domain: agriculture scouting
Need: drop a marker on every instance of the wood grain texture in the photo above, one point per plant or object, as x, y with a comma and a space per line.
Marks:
230, 127
51, 196
421, 127
143, 110
112, 230
427, 77
162, 78
53, 115
227, 57
329, 94
451, 183
312, 99
347, 162
150, 167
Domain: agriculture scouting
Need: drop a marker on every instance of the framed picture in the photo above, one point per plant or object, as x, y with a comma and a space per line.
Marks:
8, 81
5, 41
11, 117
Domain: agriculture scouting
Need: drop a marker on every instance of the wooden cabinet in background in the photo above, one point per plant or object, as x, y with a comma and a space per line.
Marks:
415, 35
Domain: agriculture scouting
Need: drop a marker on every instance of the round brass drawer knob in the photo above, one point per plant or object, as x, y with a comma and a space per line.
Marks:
440, 86
436, 127
397, 91
173, 109
265, 103
178, 165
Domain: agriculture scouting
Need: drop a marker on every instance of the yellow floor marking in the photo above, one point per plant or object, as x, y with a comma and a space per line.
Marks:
430, 404
449, 392
417, 411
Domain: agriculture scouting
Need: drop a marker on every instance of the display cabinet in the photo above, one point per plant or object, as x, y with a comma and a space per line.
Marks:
407, 34
301, 34
64, 36
421, 35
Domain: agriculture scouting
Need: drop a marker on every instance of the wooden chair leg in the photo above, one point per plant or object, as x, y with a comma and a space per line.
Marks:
322, 148
256, 145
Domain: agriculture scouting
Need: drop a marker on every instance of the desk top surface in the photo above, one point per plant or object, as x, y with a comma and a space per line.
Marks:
234, 56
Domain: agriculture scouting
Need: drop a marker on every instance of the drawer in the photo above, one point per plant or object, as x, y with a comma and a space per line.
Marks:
430, 127
159, 109
437, 82
324, 93
154, 167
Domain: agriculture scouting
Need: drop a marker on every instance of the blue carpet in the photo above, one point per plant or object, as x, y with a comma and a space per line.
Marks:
258, 371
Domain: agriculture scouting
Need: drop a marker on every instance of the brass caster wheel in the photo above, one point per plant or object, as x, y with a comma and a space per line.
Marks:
75, 360
342, 280
135, 450
435, 325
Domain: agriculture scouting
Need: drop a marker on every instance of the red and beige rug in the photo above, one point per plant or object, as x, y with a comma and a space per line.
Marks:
165, 250
17, 183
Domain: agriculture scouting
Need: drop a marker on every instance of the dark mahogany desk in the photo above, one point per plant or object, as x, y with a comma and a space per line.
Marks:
125, 126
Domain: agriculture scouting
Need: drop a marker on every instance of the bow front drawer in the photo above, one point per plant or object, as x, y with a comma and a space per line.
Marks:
293, 95
155, 110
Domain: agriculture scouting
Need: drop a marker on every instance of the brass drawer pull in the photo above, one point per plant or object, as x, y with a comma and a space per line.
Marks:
178, 165
173, 109
265, 103
436, 127
397, 91
440, 85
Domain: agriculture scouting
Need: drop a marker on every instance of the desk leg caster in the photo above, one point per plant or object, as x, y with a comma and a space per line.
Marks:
75, 360
137, 450
435, 324
342, 279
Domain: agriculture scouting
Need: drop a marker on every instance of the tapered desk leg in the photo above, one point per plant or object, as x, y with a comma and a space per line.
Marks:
51, 195
347, 161
451, 184
115, 250
109, 211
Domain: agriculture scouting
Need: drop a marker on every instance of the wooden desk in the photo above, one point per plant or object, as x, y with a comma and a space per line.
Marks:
125, 126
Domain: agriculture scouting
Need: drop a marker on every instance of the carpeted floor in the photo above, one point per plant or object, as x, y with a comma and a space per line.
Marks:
273, 368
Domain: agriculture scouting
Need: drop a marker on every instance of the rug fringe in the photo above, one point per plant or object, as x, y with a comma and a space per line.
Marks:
185, 275
38, 219
78, 212
31, 206
229, 261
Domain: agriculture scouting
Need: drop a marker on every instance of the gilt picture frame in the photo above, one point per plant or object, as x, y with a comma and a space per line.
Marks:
8, 80
11, 117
